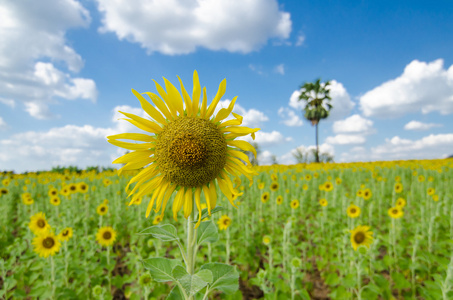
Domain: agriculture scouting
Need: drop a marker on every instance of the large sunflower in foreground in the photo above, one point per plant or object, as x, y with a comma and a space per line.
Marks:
46, 244
188, 151
361, 236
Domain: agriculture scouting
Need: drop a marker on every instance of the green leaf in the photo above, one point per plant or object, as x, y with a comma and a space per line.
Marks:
224, 277
164, 232
400, 281
207, 232
176, 294
206, 275
191, 283
332, 279
161, 268
205, 213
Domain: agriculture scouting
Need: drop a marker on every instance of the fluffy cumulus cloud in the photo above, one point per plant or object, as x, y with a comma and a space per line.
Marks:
32, 43
416, 125
267, 139
180, 26
423, 87
250, 118
2, 124
429, 147
290, 118
352, 130
341, 101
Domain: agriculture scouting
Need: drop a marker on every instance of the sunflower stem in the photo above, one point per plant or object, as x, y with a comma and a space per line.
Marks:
52, 274
108, 270
191, 244
66, 255
227, 246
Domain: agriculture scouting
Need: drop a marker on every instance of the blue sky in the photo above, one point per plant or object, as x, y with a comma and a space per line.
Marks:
67, 67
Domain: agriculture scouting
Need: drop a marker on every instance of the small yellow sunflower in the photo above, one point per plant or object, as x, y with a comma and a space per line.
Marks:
3, 191
55, 200
321, 187
267, 240
435, 197
359, 193
28, 201
65, 234
398, 178
323, 202
305, 187
353, 211
38, 224
188, 151
261, 185
328, 186
279, 200
396, 212
431, 191
82, 187
361, 236
224, 222
400, 202
106, 236
398, 187
265, 197
102, 209
65, 191
274, 186
52, 192
421, 178
46, 244
308, 177
294, 204
315, 175
72, 188
157, 219
366, 194
338, 180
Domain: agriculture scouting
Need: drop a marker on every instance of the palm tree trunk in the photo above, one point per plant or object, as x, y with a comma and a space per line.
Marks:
317, 145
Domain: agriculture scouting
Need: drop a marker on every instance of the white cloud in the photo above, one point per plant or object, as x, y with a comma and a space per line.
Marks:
179, 26
300, 40
416, 125
344, 139
8, 102
280, 69
341, 101
291, 119
2, 124
353, 124
250, 118
32, 40
266, 139
424, 87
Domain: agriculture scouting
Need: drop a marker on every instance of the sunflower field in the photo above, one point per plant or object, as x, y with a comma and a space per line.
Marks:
381, 230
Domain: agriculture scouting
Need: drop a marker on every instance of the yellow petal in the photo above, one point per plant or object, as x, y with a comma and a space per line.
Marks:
166, 99
226, 191
132, 136
218, 96
204, 104
133, 156
174, 97
153, 198
149, 109
161, 195
197, 202
152, 127
136, 164
168, 194
225, 112
144, 175
239, 129
207, 196
131, 146
239, 155
213, 195
148, 187
195, 93
160, 105
188, 203
187, 100
230, 123
243, 145
177, 203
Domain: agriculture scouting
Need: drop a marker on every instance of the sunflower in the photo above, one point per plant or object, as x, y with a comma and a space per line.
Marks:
435, 197
321, 187
279, 200
106, 236
3, 191
72, 188
315, 175
294, 204
274, 186
82, 187
261, 185
431, 191
323, 202
65, 234
366, 194
398, 187
65, 191
401, 202
224, 222
328, 186
361, 236
102, 209
189, 150
28, 201
353, 211
55, 200
396, 212
359, 193
106, 182
305, 187
267, 240
265, 197
157, 219
421, 178
52, 192
46, 244
398, 178
338, 180
38, 224
308, 177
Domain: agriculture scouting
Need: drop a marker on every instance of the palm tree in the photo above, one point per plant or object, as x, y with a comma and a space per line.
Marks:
316, 96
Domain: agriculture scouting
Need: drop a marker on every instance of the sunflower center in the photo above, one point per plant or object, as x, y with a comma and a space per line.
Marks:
190, 151
48, 243
226, 222
41, 223
359, 237
65, 233
395, 211
107, 235
353, 210
102, 209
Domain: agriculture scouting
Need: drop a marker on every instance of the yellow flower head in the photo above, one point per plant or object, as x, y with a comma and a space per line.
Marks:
360, 193
46, 244
279, 200
55, 200
52, 192
38, 224
435, 197
274, 186
366, 194
265, 197
361, 236
308, 177
72, 188
421, 178
323, 202
400, 202
157, 220
267, 240
65, 234
102, 209
431, 191
82, 187
353, 211
395, 212
188, 150
106, 236
305, 187
294, 204
338, 180
398, 187
261, 185
224, 222
328, 186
